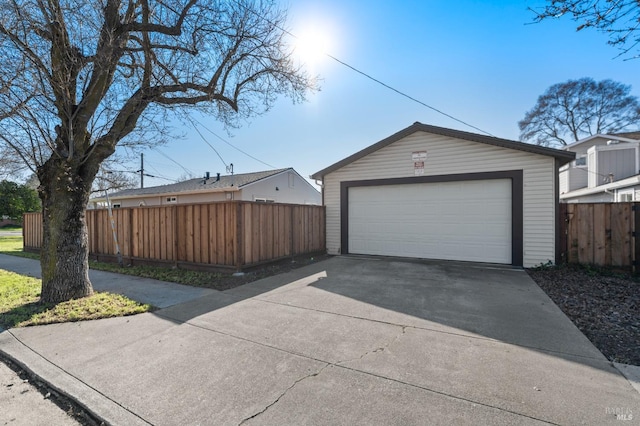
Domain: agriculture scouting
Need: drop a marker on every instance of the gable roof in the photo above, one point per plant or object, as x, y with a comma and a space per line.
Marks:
563, 156
226, 183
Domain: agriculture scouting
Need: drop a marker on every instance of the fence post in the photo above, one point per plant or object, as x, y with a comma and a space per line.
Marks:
635, 208
239, 237
130, 253
292, 240
24, 227
174, 210
562, 240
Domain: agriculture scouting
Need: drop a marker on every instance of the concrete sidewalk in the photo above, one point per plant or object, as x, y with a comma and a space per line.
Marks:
145, 290
345, 341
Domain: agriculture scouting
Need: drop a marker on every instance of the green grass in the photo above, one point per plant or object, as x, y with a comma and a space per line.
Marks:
12, 244
20, 304
180, 276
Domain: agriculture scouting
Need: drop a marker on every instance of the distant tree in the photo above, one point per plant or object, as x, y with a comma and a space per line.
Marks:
15, 200
575, 109
186, 176
618, 19
80, 78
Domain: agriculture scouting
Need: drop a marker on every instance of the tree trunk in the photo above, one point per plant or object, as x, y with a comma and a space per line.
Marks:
64, 256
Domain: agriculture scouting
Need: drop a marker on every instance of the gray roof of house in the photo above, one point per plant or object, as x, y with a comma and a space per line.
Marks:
201, 184
563, 156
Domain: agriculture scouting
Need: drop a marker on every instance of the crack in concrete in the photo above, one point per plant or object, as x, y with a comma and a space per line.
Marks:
378, 349
294, 384
435, 330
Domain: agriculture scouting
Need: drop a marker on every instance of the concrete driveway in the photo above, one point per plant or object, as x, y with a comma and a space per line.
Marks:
347, 341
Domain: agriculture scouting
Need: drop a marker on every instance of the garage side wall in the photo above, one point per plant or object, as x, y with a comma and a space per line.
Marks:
446, 156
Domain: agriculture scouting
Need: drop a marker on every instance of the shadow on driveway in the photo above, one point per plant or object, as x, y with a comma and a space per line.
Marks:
495, 302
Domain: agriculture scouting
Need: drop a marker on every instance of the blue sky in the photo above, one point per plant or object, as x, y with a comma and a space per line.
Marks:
482, 62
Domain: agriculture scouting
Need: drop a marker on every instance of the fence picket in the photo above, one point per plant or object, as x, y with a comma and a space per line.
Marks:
599, 234
228, 234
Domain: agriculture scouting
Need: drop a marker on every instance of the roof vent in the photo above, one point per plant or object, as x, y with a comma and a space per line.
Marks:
206, 175
217, 177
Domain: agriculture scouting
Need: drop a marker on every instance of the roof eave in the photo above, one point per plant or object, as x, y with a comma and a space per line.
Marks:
266, 177
623, 183
563, 157
169, 193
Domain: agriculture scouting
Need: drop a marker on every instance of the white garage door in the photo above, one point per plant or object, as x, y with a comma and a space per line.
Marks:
463, 220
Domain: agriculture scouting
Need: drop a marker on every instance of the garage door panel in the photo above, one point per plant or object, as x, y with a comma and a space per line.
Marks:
451, 220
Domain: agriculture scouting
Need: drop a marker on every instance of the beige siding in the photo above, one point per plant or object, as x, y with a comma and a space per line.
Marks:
446, 155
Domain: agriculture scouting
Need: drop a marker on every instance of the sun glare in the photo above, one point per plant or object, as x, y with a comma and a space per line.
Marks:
311, 46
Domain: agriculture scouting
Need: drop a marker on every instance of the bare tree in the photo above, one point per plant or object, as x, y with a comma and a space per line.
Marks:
619, 19
575, 109
11, 165
80, 77
109, 179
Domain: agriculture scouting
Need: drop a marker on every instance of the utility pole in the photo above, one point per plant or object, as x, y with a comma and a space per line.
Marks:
141, 170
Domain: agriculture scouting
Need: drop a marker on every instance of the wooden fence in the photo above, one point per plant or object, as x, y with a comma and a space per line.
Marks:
233, 234
601, 234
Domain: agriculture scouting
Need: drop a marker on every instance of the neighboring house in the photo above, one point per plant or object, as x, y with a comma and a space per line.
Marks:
431, 192
606, 169
272, 186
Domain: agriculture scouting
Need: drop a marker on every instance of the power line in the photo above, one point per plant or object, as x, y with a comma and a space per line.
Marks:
159, 176
406, 95
605, 176
158, 172
206, 141
351, 67
189, 172
150, 164
145, 174
233, 146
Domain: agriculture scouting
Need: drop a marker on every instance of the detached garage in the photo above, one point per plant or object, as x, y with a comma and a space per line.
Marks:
436, 193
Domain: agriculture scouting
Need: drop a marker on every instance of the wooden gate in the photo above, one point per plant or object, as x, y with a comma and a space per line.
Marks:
602, 234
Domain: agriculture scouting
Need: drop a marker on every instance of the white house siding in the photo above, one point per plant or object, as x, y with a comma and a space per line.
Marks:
157, 200
446, 155
292, 189
573, 178
564, 181
207, 197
